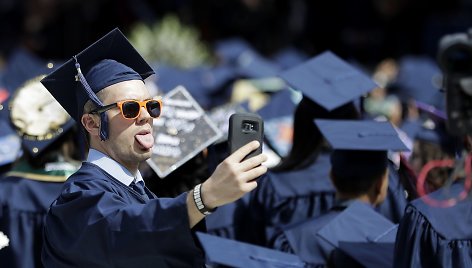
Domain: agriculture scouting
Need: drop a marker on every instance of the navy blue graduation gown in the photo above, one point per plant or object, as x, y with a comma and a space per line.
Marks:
284, 198
301, 239
315, 240
394, 204
99, 222
434, 236
229, 221
23, 206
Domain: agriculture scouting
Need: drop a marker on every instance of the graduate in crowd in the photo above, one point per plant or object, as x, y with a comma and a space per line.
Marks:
49, 157
359, 171
436, 228
104, 215
299, 187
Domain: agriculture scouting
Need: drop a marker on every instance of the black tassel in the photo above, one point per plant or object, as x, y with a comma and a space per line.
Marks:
103, 117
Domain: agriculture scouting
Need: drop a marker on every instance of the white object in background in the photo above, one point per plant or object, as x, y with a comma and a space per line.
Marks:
4, 241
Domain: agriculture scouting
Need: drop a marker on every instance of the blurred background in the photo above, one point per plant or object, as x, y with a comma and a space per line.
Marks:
365, 30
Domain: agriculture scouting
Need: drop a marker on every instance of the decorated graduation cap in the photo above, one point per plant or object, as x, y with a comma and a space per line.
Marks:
37, 117
108, 61
360, 146
328, 80
222, 251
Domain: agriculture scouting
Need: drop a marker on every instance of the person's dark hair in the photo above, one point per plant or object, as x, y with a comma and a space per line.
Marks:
424, 152
307, 139
354, 172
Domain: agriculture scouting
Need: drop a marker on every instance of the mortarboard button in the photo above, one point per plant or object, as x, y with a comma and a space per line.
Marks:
238, 254
328, 80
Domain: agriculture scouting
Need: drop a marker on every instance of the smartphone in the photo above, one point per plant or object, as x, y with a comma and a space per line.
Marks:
244, 128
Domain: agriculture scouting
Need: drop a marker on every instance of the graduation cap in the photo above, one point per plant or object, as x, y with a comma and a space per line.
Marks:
419, 78
432, 131
363, 135
360, 225
251, 64
21, 66
367, 254
238, 254
203, 82
328, 80
110, 60
289, 57
359, 222
38, 118
360, 146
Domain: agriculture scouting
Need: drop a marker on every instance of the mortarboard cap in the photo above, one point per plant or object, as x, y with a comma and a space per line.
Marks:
420, 78
21, 66
203, 82
251, 64
328, 80
110, 60
360, 148
368, 254
289, 57
228, 50
233, 253
432, 131
359, 222
181, 133
38, 118
363, 135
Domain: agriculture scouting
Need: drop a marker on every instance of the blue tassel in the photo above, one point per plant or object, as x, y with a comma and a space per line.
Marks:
104, 119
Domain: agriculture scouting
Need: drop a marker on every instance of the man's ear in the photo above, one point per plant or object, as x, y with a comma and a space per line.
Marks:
91, 124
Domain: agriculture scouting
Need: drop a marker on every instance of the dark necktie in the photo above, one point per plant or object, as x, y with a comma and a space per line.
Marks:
139, 187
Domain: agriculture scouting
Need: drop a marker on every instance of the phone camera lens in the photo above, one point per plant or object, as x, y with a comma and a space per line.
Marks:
248, 127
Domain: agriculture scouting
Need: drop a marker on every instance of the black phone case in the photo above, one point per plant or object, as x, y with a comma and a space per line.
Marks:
244, 128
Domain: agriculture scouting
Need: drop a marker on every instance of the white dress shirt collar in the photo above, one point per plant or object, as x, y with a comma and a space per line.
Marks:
112, 167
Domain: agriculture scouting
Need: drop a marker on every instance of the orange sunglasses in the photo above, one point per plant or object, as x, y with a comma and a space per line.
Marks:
131, 109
